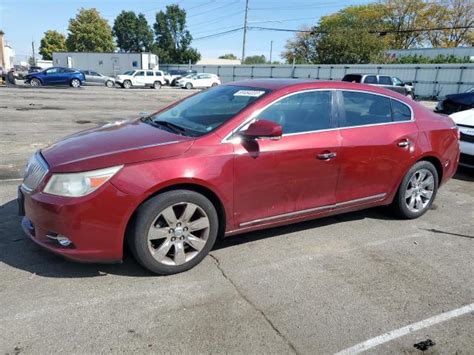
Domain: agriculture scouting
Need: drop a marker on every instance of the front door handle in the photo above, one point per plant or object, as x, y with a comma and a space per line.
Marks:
404, 143
327, 156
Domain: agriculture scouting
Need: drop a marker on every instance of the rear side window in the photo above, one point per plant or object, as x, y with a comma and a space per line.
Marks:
370, 79
385, 80
150, 73
364, 109
303, 112
400, 112
352, 78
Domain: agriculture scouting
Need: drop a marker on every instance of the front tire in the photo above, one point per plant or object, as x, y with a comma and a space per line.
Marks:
35, 83
127, 84
189, 86
417, 191
174, 231
109, 84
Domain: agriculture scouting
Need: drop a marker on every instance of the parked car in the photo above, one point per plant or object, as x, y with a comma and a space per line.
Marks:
95, 78
34, 69
386, 81
199, 80
240, 157
56, 76
465, 122
175, 75
141, 78
456, 102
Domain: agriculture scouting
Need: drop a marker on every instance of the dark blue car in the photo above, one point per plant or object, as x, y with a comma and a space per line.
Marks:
56, 76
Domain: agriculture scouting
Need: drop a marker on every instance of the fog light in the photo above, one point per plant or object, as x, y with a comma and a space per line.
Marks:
61, 239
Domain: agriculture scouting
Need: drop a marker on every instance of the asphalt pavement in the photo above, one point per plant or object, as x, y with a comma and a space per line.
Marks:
365, 279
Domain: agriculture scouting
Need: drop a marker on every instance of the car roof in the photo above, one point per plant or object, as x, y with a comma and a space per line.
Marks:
304, 84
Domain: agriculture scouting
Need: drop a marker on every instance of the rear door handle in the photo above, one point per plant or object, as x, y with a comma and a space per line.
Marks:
403, 143
326, 156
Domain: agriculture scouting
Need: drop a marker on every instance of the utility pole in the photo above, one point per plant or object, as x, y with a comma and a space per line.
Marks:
33, 50
245, 30
271, 49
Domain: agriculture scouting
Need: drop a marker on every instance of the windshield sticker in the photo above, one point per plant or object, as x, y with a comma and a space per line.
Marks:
251, 93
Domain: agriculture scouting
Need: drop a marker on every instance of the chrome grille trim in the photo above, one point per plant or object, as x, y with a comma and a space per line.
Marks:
35, 171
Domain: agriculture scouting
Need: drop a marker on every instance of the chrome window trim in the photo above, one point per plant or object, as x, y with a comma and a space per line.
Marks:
229, 138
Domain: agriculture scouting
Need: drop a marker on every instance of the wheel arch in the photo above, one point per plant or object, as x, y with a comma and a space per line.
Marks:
436, 161
191, 186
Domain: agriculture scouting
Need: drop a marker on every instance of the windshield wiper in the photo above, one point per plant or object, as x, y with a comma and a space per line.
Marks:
171, 126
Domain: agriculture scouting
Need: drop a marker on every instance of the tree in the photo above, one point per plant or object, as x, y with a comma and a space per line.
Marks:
53, 41
89, 32
347, 36
255, 59
172, 37
449, 13
228, 56
132, 32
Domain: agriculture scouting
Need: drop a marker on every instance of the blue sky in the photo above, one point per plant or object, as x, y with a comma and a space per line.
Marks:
27, 20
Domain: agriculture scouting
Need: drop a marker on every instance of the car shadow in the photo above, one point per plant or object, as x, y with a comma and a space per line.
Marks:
464, 174
17, 251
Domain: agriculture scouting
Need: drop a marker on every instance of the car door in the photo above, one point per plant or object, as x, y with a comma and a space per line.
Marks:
96, 78
51, 76
387, 82
292, 176
150, 77
378, 143
139, 78
200, 81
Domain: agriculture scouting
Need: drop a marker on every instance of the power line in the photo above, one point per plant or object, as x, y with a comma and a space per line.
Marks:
213, 9
380, 32
219, 34
217, 19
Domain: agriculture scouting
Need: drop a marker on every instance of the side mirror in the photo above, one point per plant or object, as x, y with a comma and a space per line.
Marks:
262, 129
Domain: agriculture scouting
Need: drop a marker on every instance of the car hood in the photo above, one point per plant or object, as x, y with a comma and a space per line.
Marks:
466, 98
116, 143
465, 118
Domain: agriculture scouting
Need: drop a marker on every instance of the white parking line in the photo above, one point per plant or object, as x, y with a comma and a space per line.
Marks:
394, 334
6, 180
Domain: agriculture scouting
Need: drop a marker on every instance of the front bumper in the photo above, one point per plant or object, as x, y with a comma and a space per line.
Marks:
95, 224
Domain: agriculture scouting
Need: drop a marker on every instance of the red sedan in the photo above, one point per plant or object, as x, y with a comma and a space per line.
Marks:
239, 157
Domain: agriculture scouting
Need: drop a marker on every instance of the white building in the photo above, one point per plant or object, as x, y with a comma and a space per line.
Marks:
106, 63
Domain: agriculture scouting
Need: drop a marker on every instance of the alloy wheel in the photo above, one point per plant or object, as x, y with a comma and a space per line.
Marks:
75, 83
178, 234
419, 191
35, 82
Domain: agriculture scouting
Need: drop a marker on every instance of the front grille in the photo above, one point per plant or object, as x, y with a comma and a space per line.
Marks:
466, 138
466, 159
35, 171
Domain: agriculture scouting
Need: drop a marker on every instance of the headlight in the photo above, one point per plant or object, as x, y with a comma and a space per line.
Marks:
79, 184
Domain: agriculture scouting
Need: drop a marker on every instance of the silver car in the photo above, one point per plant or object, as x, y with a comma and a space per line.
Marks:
94, 78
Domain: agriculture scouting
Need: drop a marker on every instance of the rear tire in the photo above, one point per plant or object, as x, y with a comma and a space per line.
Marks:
157, 85
174, 231
214, 84
417, 191
75, 83
189, 86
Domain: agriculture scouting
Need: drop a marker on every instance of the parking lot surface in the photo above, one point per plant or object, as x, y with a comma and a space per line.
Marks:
322, 286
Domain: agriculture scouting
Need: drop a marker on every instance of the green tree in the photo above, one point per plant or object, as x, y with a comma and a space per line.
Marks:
255, 59
344, 37
89, 32
173, 40
228, 56
53, 41
132, 32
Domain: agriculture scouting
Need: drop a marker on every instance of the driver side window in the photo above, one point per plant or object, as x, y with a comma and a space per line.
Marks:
303, 112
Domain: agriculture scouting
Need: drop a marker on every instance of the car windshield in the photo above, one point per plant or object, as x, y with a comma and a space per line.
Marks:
204, 112
130, 72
